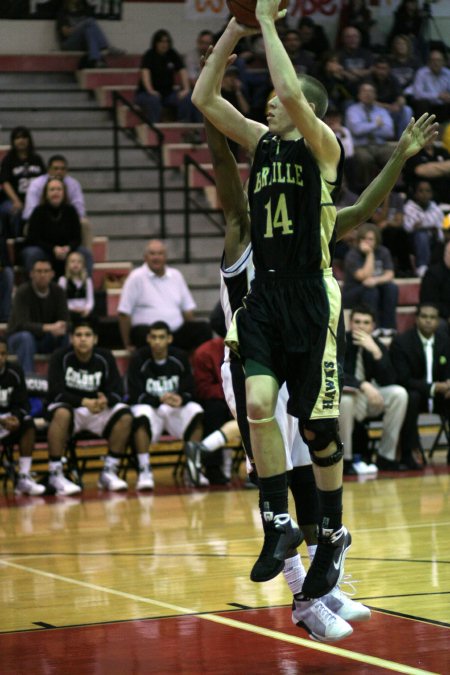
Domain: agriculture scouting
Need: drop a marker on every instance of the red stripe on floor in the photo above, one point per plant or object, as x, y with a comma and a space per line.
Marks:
192, 645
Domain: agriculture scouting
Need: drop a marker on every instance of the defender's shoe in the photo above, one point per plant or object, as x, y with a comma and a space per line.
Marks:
193, 452
327, 567
348, 609
145, 480
280, 537
61, 484
109, 480
27, 486
321, 623
201, 482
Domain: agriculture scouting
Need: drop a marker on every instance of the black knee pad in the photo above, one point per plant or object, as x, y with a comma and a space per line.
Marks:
326, 432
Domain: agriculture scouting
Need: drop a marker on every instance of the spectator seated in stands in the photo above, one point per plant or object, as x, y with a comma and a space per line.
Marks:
164, 82
431, 88
421, 358
252, 64
6, 278
78, 286
207, 363
39, 316
371, 127
432, 163
334, 119
192, 58
78, 30
371, 391
369, 274
356, 13
404, 63
16, 425
355, 59
389, 219
233, 91
57, 167
409, 20
54, 230
423, 220
19, 166
86, 394
331, 73
313, 37
389, 94
155, 292
302, 60
161, 388
435, 286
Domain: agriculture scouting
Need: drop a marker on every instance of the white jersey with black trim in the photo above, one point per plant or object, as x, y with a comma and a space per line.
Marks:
234, 285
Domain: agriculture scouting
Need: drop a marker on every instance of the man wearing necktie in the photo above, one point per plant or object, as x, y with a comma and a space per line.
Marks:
371, 391
421, 358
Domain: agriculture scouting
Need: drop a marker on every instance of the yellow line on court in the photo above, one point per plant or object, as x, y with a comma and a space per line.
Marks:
240, 625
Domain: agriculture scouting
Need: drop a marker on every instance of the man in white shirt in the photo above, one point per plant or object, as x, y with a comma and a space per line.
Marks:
157, 292
57, 167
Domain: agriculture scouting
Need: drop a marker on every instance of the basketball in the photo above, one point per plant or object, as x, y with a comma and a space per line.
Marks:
244, 11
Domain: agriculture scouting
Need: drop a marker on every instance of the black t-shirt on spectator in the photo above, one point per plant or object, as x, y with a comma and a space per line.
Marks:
19, 172
163, 68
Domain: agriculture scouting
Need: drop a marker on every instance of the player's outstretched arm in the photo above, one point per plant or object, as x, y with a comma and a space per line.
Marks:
416, 135
323, 144
231, 195
208, 99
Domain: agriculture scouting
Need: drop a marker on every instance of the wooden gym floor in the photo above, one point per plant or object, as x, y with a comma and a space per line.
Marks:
158, 583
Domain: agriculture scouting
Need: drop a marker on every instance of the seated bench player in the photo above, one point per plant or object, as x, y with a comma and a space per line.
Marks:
85, 394
160, 388
16, 424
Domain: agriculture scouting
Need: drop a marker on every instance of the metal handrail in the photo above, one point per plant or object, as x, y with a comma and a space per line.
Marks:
188, 160
158, 149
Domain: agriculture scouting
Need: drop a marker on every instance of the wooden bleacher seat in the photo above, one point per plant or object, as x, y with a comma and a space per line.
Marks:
173, 132
103, 270
127, 118
60, 61
174, 153
408, 291
99, 250
93, 78
104, 94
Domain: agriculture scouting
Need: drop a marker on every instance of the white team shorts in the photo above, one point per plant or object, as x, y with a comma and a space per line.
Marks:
95, 423
297, 453
174, 421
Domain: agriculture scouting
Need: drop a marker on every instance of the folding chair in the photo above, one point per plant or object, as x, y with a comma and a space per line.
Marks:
438, 444
8, 464
375, 424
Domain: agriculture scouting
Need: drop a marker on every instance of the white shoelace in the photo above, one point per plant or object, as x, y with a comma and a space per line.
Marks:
348, 580
323, 612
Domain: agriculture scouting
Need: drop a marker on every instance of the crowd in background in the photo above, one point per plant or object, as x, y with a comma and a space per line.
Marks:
373, 89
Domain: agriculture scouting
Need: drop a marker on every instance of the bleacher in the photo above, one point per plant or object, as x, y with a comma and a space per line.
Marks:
80, 126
